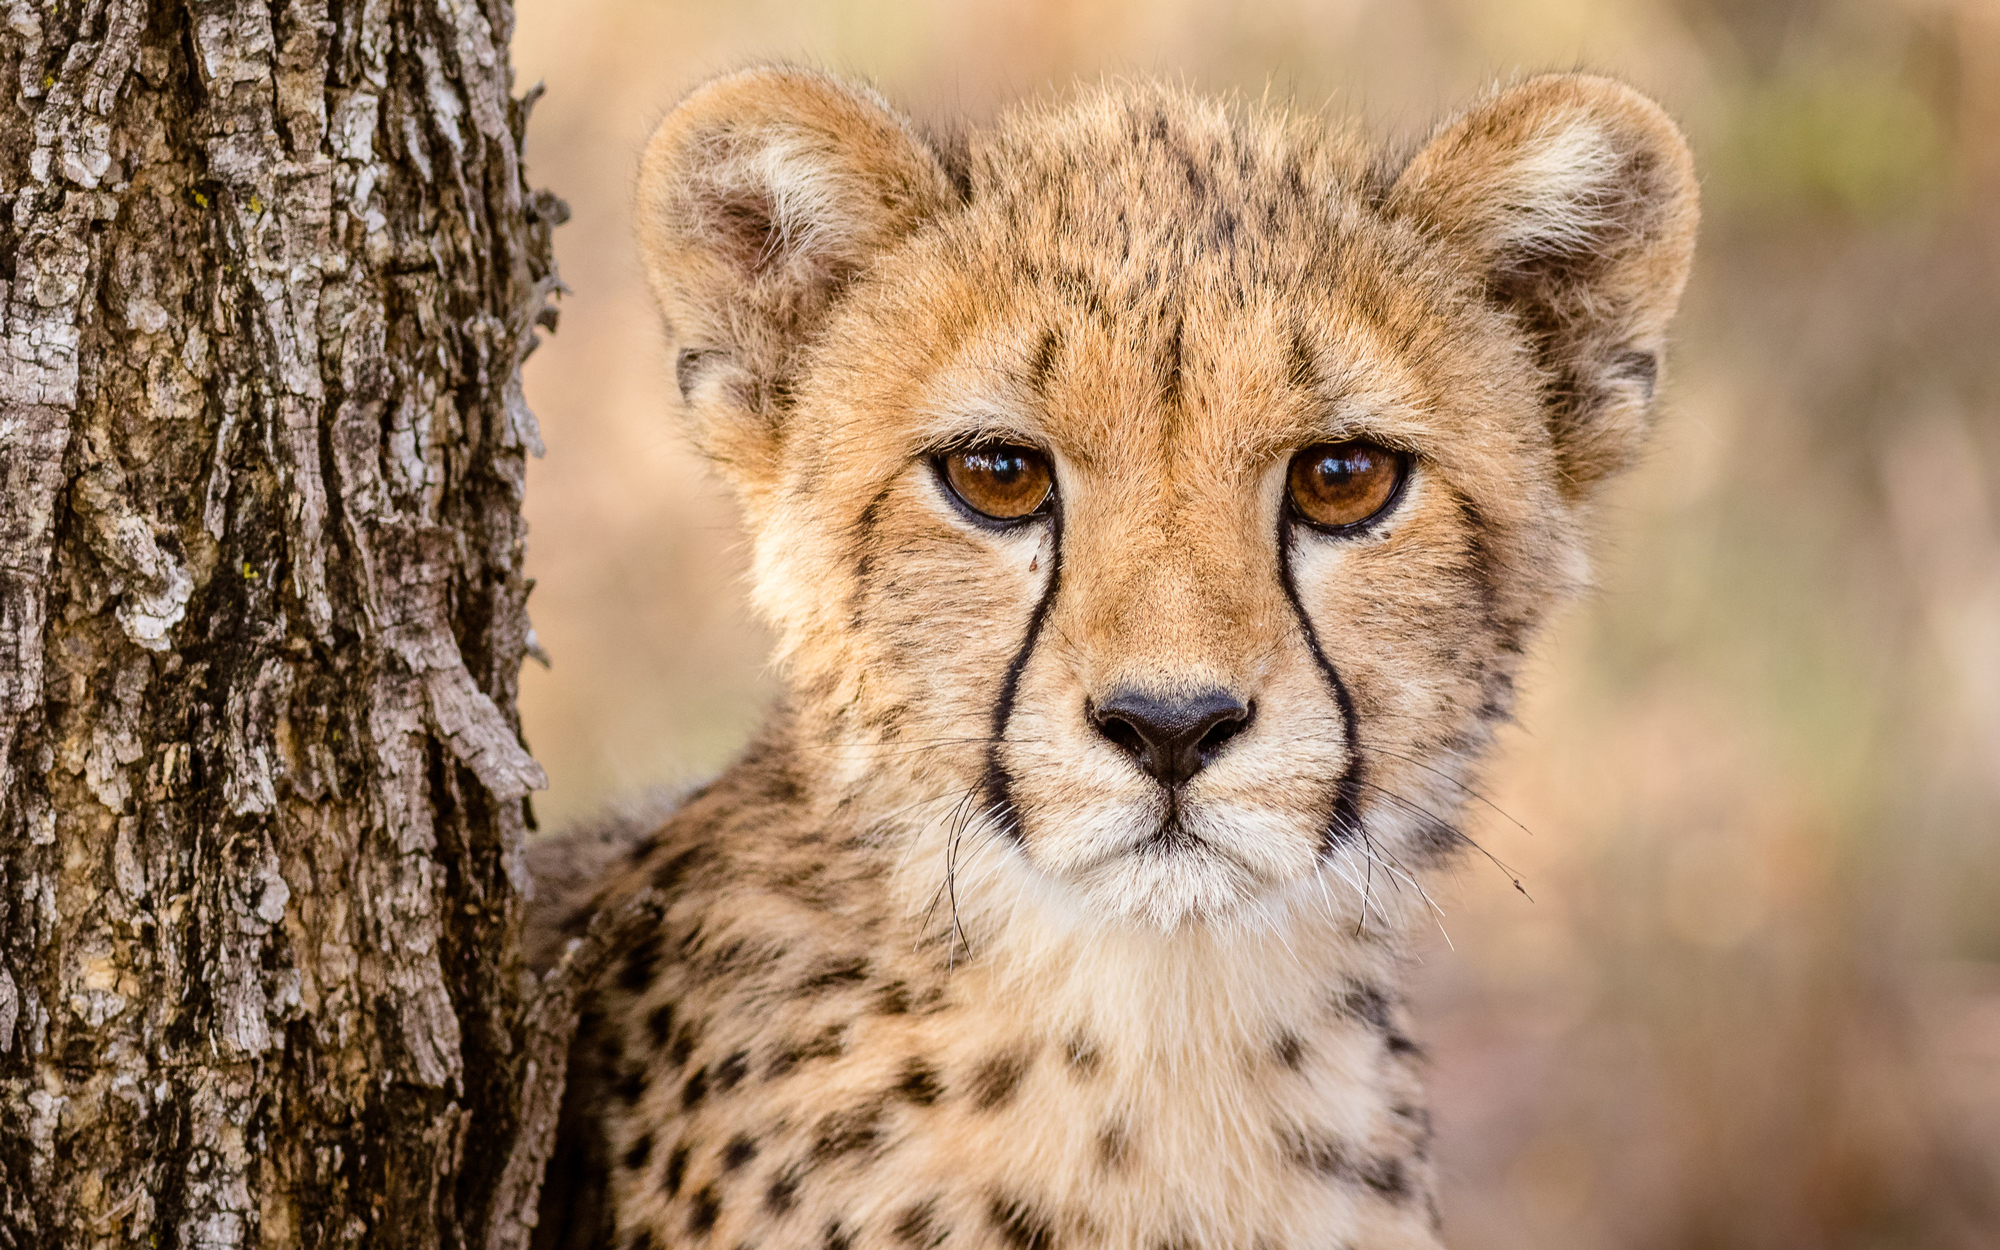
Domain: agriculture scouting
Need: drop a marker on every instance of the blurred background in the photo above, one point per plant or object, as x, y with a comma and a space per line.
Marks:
1755, 1001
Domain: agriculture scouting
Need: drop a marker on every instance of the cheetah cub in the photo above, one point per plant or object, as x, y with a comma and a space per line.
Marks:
1152, 498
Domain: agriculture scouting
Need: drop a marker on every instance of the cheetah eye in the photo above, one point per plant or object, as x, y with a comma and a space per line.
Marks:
1339, 487
999, 481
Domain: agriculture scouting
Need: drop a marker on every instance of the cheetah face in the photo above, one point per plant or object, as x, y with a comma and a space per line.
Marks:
1155, 504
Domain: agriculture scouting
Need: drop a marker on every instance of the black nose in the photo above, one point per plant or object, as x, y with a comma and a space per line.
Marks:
1171, 740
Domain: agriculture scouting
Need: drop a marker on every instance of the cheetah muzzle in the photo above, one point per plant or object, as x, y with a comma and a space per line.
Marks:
1152, 499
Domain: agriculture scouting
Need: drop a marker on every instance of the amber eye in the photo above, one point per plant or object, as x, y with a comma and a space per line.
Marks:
1000, 481
1338, 486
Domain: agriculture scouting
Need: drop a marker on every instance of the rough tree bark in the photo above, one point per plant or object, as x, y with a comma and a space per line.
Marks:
268, 270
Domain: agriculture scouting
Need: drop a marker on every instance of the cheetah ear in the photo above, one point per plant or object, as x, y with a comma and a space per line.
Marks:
760, 197
1576, 197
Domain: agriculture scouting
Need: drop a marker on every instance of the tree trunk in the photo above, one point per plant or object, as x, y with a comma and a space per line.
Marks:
268, 269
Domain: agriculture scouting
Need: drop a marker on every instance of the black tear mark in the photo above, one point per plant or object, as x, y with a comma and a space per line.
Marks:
1344, 820
997, 785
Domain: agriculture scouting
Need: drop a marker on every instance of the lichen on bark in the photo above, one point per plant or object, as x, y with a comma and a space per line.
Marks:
268, 271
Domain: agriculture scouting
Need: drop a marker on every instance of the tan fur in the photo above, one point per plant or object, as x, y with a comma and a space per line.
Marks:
927, 976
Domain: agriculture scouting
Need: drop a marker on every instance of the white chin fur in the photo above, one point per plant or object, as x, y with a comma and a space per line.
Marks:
1219, 860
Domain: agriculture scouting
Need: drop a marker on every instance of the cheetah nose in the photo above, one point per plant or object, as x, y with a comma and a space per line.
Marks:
1171, 741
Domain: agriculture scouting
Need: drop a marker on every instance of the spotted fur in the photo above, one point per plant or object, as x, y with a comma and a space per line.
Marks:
938, 965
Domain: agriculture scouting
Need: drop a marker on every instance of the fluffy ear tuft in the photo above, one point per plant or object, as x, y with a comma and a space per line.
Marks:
760, 196
1576, 197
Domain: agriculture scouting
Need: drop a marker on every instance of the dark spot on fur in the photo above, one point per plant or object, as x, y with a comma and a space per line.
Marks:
789, 1056
730, 1072
1044, 362
1290, 1050
835, 1237
894, 999
1365, 1003
1301, 365
995, 1082
839, 972
642, 963
783, 1192
660, 1023
677, 1163
917, 1226
631, 1087
1400, 1045
1082, 1055
695, 1091
685, 1040
847, 1132
702, 1210
919, 1083
1387, 1177
639, 1153
1114, 1145
738, 1152
1020, 1225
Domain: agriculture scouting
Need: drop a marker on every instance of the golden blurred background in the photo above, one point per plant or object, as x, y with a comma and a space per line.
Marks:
1755, 999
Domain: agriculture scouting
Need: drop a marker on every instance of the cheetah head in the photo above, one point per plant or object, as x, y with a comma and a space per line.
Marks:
1153, 498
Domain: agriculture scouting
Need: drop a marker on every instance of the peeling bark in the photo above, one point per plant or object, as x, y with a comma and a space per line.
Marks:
268, 271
